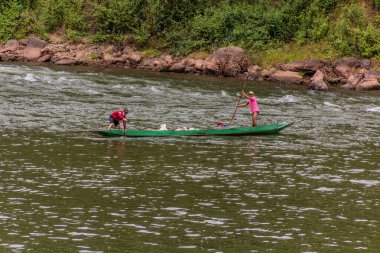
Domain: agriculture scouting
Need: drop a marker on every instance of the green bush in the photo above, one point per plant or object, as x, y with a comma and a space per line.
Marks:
354, 34
10, 20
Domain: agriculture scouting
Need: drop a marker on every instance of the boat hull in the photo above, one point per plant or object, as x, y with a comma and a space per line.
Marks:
259, 130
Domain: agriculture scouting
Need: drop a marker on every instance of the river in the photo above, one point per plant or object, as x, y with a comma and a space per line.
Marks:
313, 188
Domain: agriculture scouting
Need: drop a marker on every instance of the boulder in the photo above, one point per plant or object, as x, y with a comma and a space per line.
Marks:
81, 54
31, 53
178, 67
303, 66
364, 80
344, 67
128, 50
343, 71
268, 72
155, 64
33, 49
190, 65
44, 58
286, 77
9, 56
66, 61
227, 61
353, 62
35, 42
135, 58
168, 59
374, 74
317, 82
368, 84
110, 59
253, 72
11, 45
354, 80
198, 64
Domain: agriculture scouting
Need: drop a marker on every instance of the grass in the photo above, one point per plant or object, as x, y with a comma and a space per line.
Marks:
292, 52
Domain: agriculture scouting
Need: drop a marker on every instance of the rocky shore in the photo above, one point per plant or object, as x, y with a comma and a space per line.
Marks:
348, 73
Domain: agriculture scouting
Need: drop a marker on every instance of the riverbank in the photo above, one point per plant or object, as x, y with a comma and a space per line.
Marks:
347, 73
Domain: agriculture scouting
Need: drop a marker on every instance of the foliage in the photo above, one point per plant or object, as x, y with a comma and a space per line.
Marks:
267, 28
353, 34
10, 19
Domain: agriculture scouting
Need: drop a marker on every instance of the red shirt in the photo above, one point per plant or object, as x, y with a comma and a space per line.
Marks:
118, 115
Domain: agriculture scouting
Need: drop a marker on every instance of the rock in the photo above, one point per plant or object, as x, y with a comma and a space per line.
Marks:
317, 82
81, 54
35, 42
155, 64
353, 81
23, 42
335, 80
168, 59
9, 57
303, 66
344, 66
368, 84
66, 62
31, 53
33, 49
135, 58
353, 62
11, 45
178, 67
198, 65
286, 77
109, 59
343, 71
364, 80
375, 74
253, 72
44, 58
128, 50
227, 61
268, 72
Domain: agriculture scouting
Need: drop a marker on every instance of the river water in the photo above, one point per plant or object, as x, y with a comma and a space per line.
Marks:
313, 188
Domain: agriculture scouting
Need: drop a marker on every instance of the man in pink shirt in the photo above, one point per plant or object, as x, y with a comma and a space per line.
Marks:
115, 118
252, 102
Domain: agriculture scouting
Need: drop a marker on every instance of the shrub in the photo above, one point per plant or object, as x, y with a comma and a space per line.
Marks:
353, 34
10, 20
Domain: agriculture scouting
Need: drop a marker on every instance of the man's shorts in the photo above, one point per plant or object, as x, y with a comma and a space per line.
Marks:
111, 120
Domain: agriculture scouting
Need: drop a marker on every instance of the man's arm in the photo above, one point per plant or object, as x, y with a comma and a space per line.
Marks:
125, 125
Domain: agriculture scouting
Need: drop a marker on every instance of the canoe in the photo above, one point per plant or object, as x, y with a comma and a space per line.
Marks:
222, 131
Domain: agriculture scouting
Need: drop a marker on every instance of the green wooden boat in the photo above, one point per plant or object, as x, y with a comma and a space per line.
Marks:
223, 131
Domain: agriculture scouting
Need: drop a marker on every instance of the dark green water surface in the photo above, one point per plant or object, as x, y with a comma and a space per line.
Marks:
313, 188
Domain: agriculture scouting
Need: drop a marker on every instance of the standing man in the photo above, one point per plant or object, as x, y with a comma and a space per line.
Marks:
252, 102
115, 118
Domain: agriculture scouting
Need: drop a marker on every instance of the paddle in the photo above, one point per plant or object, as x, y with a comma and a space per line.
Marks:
237, 105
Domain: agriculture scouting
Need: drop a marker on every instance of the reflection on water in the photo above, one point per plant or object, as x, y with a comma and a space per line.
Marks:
117, 149
313, 188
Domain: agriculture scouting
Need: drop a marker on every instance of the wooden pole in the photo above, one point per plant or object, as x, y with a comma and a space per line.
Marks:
237, 105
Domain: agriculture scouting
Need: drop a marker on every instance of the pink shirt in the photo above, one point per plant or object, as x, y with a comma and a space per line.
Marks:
253, 104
